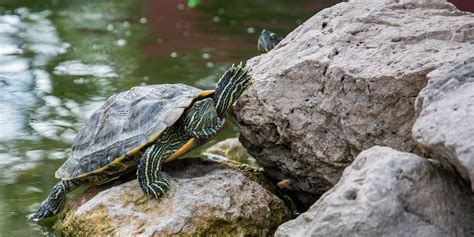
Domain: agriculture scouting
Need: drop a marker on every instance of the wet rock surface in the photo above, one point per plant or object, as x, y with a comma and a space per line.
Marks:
207, 198
390, 193
342, 82
445, 126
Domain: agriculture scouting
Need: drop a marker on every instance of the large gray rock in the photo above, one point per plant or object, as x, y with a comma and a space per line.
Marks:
390, 193
445, 126
342, 82
207, 198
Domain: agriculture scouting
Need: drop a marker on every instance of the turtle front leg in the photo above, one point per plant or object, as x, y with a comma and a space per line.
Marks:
56, 199
150, 178
202, 120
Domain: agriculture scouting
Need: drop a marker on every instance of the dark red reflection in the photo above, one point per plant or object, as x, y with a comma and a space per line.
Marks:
464, 5
179, 28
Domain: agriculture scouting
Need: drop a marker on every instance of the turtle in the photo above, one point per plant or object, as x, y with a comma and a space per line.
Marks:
138, 130
267, 41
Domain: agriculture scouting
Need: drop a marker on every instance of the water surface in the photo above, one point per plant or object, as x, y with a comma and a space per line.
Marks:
60, 60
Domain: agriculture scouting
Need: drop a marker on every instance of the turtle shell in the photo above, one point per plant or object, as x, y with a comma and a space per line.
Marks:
127, 123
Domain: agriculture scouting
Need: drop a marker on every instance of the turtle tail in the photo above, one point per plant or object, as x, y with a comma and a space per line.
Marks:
230, 86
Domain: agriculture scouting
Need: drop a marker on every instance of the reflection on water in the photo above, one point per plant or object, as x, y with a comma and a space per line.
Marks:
28, 42
60, 60
77, 68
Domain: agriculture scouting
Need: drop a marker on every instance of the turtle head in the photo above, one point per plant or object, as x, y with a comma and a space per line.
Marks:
230, 86
267, 41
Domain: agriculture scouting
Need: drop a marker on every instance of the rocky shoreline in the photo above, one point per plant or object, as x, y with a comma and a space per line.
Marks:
363, 115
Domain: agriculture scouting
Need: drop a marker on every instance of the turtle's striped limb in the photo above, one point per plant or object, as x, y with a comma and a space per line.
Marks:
150, 178
229, 87
56, 198
152, 182
202, 120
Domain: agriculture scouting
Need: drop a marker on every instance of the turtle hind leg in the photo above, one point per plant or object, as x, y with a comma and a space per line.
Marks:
55, 200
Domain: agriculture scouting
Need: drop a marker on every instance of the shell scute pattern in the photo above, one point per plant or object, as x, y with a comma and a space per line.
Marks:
126, 121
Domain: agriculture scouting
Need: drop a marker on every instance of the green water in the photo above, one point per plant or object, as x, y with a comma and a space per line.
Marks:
60, 60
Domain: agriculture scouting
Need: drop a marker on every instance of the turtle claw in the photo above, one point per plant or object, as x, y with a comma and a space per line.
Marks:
53, 203
46, 209
41, 214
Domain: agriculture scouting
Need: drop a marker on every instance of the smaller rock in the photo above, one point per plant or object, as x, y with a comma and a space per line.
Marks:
390, 193
207, 198
230, 148
445, 126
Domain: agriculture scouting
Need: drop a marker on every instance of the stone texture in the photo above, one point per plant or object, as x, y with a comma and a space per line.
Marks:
445, 126
231, 149
390, 193
342, 82
207, 198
